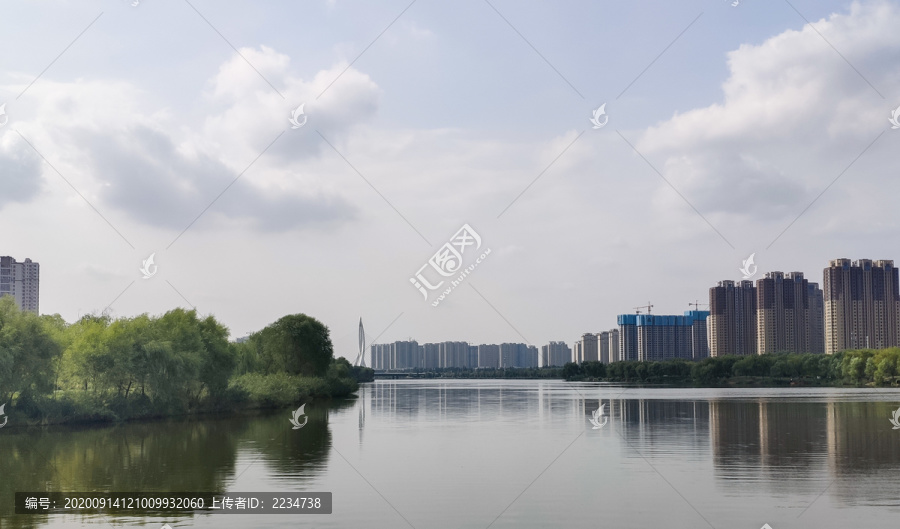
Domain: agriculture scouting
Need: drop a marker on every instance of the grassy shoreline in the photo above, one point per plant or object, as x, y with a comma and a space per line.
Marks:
104, 370
244, 411
246, 394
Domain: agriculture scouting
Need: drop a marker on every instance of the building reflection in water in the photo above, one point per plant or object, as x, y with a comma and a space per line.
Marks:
791, 445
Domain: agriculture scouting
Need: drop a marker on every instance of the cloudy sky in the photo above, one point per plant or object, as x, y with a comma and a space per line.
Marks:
163, 128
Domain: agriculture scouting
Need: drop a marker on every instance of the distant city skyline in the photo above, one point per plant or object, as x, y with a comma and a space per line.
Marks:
780, 312
410, 354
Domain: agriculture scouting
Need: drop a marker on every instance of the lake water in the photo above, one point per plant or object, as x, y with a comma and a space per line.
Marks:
500, 454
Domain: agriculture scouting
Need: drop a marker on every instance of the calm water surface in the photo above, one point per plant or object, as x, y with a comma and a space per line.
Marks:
504, 454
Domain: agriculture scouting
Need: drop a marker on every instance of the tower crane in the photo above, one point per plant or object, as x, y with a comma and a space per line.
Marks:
648, 306
697, 304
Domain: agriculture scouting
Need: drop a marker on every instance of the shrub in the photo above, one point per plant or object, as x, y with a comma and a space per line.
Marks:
276, 390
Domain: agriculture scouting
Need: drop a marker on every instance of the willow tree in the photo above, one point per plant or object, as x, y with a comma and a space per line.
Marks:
28, 353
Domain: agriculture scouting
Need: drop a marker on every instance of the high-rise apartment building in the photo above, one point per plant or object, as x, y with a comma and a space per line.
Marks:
509, 352
699, 333
614, 345
489, 355
608, 345
398, 355
22, 282
407, 354
381, 356
816, 325
528, 356
603, 346
432, 355
788, 314
473, 356
588, 348
731, 325
664, 337
555, 354
862, 305
628, 340
454, 354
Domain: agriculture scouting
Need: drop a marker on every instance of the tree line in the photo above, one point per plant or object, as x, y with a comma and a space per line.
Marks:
858, 367
100, 368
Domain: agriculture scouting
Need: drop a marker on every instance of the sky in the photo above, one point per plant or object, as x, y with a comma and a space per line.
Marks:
134, 128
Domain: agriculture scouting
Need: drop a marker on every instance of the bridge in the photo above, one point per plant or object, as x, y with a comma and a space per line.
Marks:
399, 374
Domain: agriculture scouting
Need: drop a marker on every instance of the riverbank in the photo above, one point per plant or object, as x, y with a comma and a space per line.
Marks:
86, 423
733, 382
105, 370
246, 394
857, 368
730, 382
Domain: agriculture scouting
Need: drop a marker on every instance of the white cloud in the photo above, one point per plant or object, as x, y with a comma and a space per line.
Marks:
124, 150
250, 114
20, 176
794, 115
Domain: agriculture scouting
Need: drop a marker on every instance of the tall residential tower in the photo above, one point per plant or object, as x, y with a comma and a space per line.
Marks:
22, 282
628, 338
555, 354
789, 314
732, 318
862, 305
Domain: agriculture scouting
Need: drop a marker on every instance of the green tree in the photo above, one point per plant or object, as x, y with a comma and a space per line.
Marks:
296, 344
813, 367
593, 369
246, 356
340, 368
641, 371
854, 365
180, 358
616, 371
28, 353
79, 363
704, 372
219, 357
571, 370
